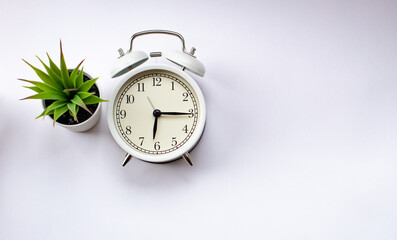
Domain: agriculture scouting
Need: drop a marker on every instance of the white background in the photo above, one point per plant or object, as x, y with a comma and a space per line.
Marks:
301, 131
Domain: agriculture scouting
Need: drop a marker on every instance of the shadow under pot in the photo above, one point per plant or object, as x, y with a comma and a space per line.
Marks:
86, 121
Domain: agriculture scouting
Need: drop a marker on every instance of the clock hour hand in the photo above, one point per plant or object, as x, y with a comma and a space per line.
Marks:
175, 113
155, 126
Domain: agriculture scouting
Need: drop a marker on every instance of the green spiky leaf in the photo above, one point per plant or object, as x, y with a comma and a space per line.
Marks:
41, 115
84, 95
80, 78
72, 110
55, 105
36, 89
54, 67
56, 79
78, 101
41, 85
73, 79
42, 75
93, 100
48, 96
73, 75
59, 112
45, 113
85, 87
64, 71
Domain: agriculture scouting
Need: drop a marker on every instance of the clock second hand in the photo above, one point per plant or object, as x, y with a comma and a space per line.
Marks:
151, 103
167, 113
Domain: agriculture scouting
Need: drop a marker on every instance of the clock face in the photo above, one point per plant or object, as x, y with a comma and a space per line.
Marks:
156, 112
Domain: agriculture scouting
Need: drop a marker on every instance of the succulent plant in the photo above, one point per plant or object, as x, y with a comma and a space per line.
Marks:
66, 88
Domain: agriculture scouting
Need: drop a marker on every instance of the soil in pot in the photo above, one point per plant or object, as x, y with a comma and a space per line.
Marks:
82, 115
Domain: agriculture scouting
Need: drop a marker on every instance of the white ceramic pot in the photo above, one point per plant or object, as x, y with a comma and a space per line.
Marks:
90, 122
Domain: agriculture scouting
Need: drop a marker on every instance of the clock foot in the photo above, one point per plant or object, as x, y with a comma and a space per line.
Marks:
126, 159
188, 158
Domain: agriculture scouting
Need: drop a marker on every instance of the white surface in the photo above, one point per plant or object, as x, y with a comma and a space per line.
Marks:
301, 132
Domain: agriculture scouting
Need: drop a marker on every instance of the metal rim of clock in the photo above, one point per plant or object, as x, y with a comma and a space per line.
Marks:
132, 59
167, 157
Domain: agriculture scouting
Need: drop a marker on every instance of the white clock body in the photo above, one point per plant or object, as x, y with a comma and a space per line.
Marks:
131, 113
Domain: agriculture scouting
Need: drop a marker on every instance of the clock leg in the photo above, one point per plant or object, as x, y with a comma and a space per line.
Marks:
126, 159
188, 158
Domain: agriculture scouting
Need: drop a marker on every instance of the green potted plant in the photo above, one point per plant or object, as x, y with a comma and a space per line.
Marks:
69, 96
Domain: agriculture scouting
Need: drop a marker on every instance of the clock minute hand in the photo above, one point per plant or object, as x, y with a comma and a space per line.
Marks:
175, 113
156, 114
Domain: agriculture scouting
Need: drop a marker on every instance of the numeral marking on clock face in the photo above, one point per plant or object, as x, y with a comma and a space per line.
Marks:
159, 90
141, 86
129, 98
157, 81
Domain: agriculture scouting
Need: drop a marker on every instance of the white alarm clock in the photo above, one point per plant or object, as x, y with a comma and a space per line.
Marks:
157, 112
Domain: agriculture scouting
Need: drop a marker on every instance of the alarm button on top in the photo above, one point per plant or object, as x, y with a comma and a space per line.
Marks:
128, 62
187, 61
